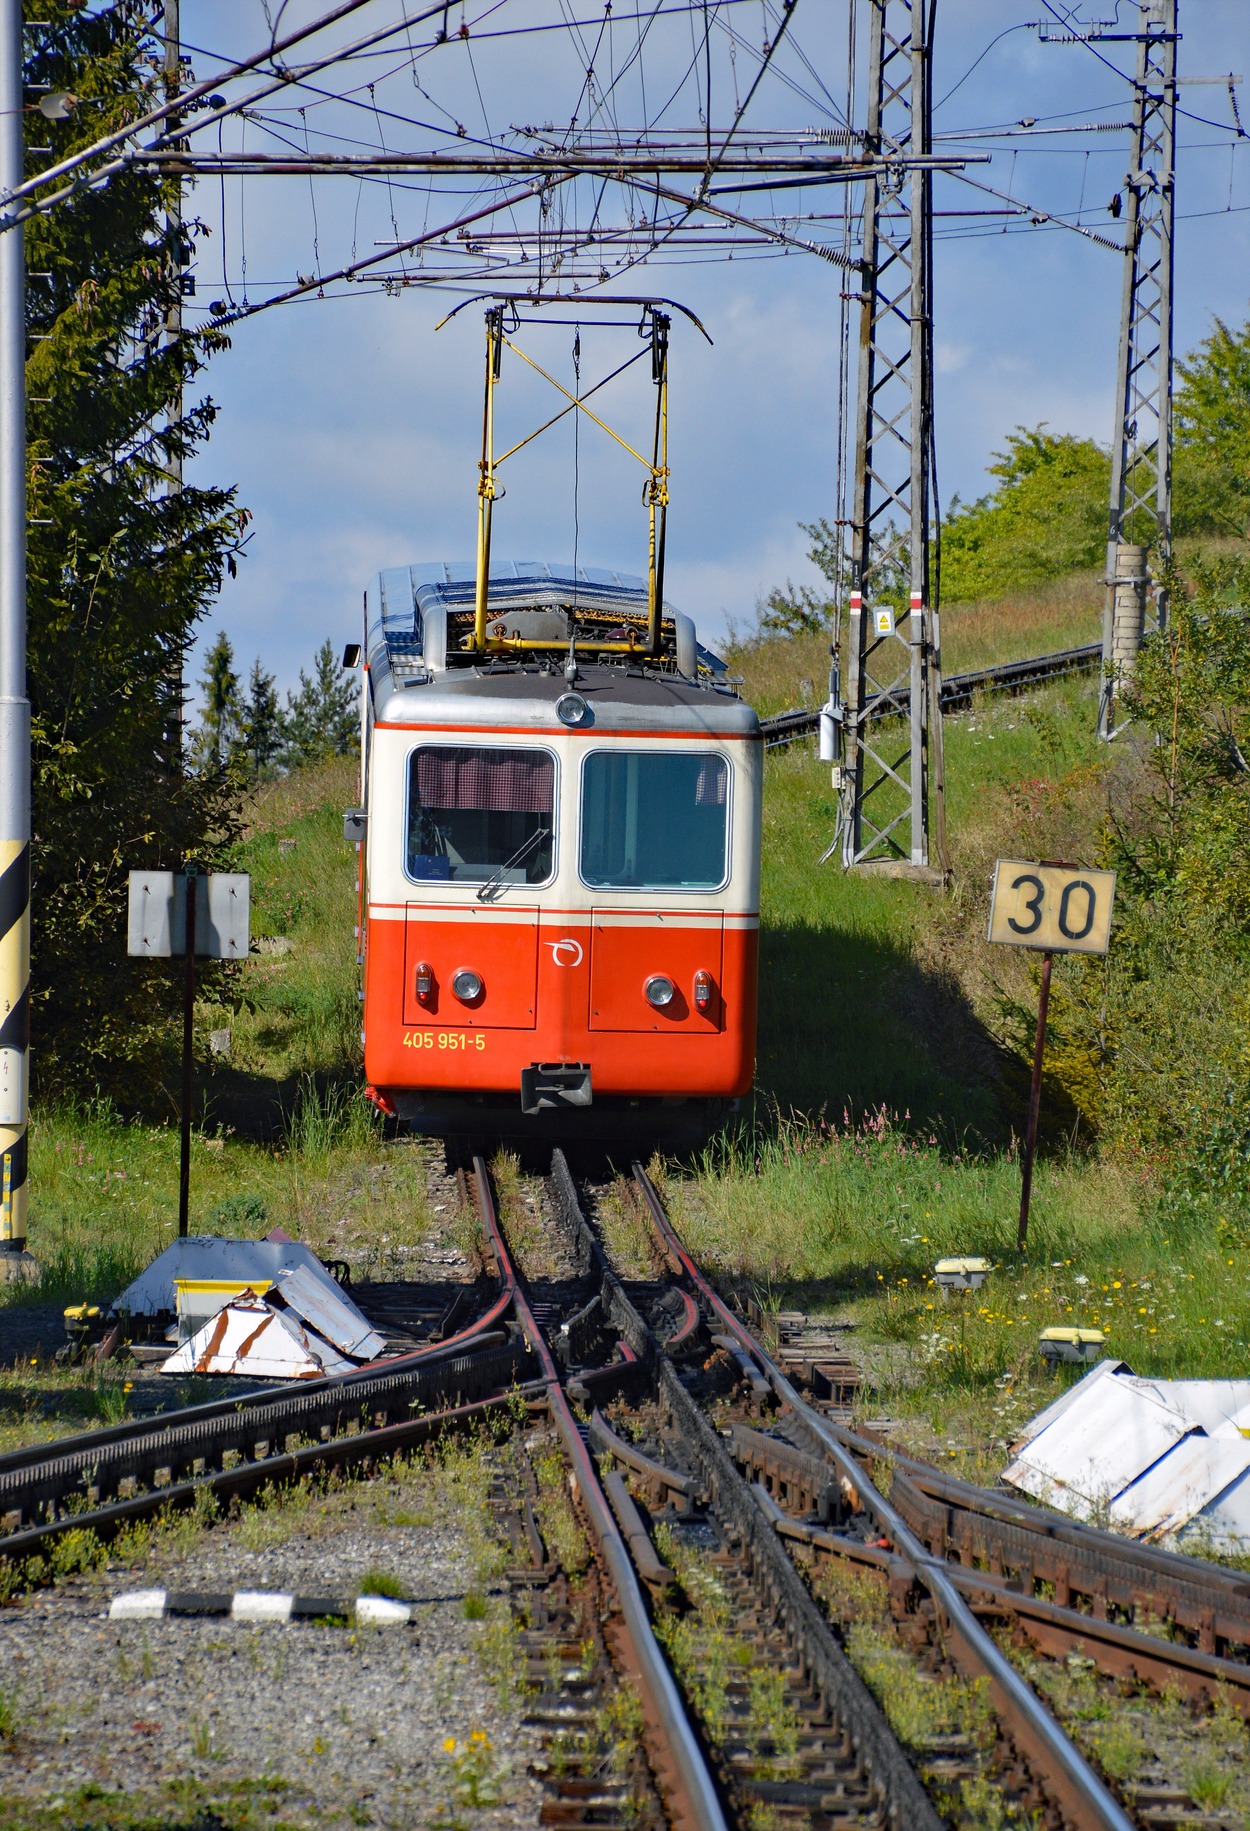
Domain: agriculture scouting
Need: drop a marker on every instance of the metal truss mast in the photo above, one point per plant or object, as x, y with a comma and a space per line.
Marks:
1139, 536
892, 776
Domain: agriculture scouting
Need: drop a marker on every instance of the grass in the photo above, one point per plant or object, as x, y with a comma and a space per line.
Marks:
883, 1133
738, 1702
848, 1221
1134, 1737
889, 1106
780, 672
381, 1583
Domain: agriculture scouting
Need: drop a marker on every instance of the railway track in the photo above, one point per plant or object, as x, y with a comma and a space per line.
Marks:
714, 1486
958, 691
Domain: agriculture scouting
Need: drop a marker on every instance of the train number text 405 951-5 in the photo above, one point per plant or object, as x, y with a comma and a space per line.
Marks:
444, 1039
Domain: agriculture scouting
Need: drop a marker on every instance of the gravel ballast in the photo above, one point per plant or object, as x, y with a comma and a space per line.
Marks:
212, 1722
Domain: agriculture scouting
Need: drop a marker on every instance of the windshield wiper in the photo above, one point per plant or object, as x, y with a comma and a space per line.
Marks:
522, 851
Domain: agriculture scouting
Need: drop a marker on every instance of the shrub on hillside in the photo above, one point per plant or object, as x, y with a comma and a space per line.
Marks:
1047, 516
1165, 1020
1212, 469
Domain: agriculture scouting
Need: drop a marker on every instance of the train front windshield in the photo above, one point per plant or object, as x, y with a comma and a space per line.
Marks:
654, 820
479, 813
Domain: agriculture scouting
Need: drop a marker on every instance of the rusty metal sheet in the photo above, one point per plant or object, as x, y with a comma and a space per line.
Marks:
250, 1338
318, 1301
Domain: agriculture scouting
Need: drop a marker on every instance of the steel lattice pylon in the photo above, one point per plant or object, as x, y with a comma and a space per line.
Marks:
1140, 525
892, 772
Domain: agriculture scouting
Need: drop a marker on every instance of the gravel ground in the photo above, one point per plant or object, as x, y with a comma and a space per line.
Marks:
166, 1723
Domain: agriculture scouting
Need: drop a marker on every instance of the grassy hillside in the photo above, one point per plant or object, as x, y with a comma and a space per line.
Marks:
889, 1095
779, 672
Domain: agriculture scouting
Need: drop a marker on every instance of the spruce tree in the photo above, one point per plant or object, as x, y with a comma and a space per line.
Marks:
221, 721
322, 719
261, 722
121, 567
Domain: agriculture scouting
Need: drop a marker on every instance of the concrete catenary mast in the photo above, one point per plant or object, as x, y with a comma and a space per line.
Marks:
892, 779
1139, 535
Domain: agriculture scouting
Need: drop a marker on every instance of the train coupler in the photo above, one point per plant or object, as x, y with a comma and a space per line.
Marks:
547, 1085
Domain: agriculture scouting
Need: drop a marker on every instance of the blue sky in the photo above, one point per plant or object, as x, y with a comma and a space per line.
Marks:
351, 427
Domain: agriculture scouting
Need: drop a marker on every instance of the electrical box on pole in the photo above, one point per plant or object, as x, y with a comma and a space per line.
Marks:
1139, 535
892, 784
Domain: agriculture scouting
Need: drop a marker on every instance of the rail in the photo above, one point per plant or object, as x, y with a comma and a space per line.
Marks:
692, 1797
904, 1802
1068, 1776
957, 691
234, 1447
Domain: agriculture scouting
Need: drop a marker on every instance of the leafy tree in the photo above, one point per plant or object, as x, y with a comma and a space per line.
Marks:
1163, 1025
261, 721
792, 611
120, 567
1047, 516
322, 719
222, 720
1212, 458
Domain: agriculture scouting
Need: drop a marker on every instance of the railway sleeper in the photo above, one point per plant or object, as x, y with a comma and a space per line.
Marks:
567, 1671
1108, 1593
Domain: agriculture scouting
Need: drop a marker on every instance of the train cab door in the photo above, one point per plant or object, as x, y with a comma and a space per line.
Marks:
498, 946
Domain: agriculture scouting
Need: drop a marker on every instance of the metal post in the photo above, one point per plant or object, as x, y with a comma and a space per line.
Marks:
1035, 1103
887, 779
188, 1058
173, 340
1141, 445
14, 705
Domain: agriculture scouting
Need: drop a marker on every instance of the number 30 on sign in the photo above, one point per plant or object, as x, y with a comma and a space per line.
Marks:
1058, 909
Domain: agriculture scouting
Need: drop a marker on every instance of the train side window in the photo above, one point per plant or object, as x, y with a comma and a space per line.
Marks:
655, 820
479, 813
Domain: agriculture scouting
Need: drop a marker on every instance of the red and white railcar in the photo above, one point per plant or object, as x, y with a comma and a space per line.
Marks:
559, 860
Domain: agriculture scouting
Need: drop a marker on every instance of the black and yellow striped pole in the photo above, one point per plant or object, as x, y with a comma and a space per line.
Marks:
14, 705
14, 1039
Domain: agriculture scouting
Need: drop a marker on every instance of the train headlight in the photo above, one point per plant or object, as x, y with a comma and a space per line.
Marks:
467, 985
425, 983
658, 991
702, 991
571, 709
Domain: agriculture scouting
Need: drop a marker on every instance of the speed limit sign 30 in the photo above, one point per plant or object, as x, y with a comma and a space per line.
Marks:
1057, 909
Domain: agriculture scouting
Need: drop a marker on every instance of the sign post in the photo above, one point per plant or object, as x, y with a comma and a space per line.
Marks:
1054, 909
189, 912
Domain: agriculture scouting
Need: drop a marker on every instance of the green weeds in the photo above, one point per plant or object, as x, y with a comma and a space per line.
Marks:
737, 1700
381, 1583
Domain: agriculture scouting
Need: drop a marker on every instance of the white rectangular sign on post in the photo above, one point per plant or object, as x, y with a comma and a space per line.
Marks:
1057, 909
157, 923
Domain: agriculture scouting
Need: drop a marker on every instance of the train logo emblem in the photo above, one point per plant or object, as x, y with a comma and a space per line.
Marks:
566, 952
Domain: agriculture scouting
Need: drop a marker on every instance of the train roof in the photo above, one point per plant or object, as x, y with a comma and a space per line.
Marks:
417, 677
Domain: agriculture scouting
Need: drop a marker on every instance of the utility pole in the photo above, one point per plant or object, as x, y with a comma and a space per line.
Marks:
1140, 523
172, 71
892, 782
14, 705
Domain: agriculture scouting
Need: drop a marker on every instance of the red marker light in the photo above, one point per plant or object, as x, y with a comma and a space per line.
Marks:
425, 983
702, 992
